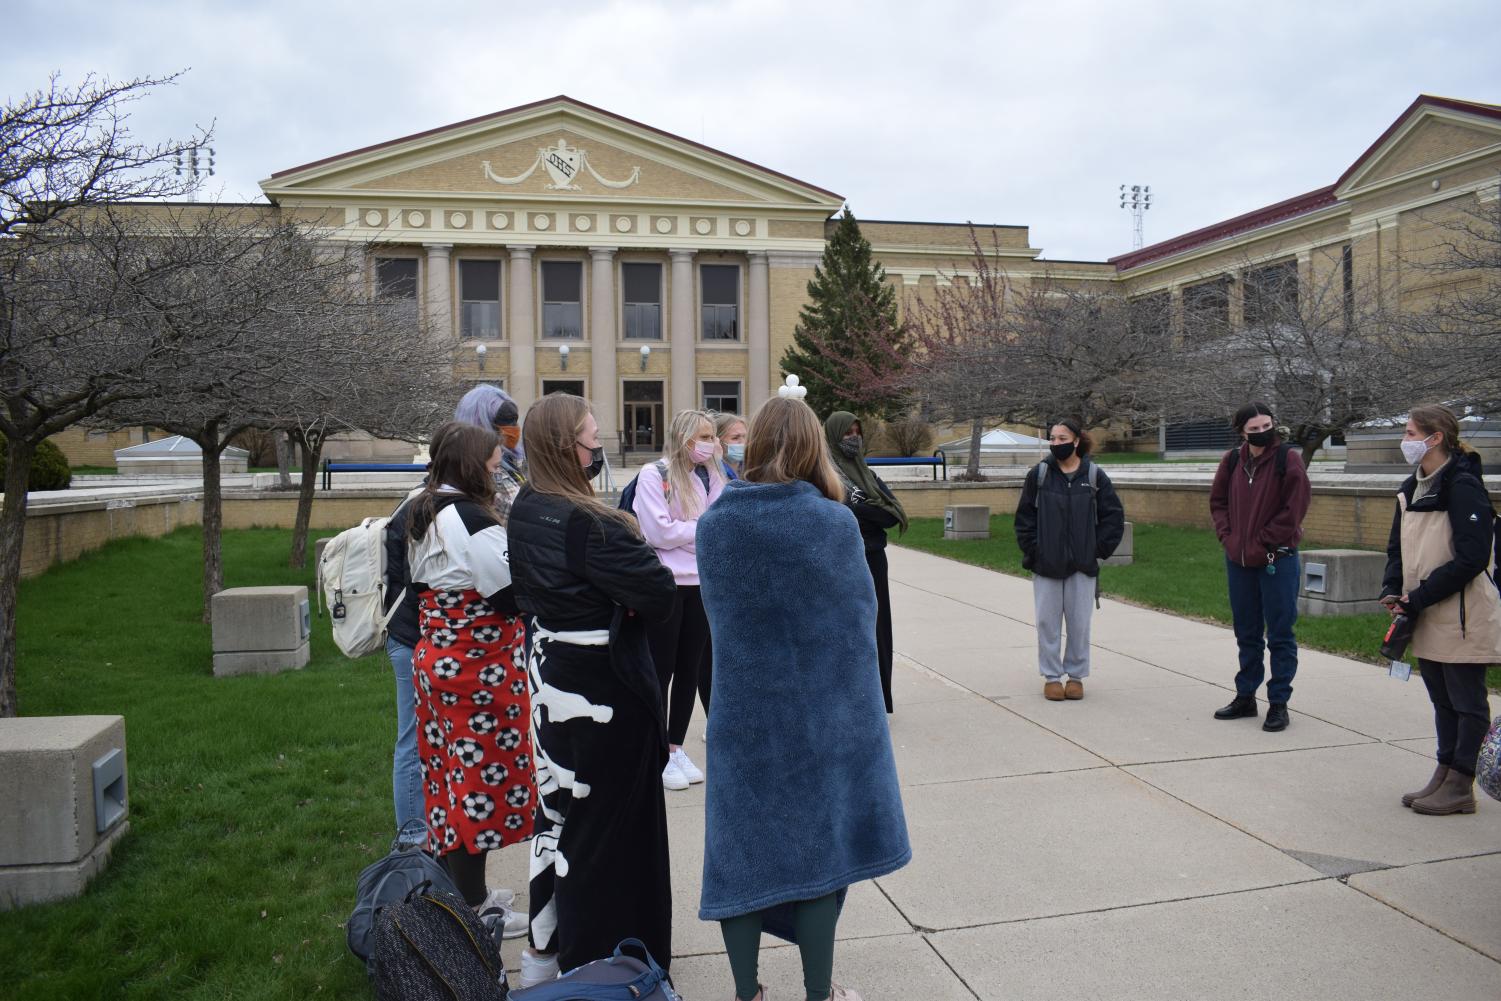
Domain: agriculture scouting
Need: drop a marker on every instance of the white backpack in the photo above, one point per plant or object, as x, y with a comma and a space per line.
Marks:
352, 585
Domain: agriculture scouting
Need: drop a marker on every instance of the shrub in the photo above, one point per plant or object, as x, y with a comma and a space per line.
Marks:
910, 437
49, 467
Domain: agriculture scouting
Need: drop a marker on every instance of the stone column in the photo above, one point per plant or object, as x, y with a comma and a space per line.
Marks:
522, 382
438, 297
603, 389
684, 331
758, 333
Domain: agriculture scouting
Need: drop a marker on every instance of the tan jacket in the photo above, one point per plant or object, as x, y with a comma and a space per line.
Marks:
1427, 544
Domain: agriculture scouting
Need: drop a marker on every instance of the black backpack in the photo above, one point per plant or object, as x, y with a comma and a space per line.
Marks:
628, 494
388, 881
434, 947
1279, 463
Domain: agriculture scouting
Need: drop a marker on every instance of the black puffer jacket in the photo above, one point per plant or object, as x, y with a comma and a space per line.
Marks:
572, 571
1062, 530
405, 626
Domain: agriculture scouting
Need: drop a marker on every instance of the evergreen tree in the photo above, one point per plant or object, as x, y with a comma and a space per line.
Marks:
842, 346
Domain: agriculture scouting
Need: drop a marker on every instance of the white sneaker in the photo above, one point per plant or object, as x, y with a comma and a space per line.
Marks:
686, 766
498, 915
537, 969
673, 777
838, 993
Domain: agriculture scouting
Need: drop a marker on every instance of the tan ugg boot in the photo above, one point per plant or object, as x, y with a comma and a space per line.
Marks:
1456, 794
1430, 788
1074, 689
1053, 691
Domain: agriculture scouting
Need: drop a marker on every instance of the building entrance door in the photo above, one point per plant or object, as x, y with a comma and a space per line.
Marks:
641, 430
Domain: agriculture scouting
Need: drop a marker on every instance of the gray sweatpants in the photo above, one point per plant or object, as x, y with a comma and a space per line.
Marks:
1057, 601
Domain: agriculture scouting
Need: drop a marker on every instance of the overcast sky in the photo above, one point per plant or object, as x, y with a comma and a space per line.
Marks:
1021, 113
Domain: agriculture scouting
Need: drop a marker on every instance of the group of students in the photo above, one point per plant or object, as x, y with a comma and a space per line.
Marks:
1441, 572
549, 648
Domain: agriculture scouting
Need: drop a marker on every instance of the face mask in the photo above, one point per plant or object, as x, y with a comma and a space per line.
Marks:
1261, 439
736, 452
510, 435
596, 462
851, 446
703, 451
1413, 451
1063, 451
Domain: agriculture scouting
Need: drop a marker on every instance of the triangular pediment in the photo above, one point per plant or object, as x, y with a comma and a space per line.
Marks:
556, 149
1434, 134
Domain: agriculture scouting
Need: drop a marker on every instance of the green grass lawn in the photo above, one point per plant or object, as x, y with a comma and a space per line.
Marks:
254, 801
1180, 570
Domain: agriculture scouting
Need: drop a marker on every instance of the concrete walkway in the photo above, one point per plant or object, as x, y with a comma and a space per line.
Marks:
1130, 846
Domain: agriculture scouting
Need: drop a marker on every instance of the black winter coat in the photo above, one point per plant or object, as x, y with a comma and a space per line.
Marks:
1062, 529
1461, 492
571, 571
872, 519
405, 626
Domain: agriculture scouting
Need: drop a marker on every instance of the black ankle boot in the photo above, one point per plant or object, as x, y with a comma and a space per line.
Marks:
1276, 717
1239, 707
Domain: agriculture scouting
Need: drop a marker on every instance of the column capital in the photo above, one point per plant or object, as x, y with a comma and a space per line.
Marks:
758, 256
438, 249
520, 249
603, 253
681, 254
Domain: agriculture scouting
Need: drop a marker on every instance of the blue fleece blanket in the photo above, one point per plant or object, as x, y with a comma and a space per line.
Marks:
802, 791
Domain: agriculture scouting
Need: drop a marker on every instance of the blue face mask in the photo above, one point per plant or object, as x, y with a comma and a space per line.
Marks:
735, 452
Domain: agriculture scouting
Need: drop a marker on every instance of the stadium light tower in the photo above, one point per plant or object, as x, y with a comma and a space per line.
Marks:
1138, 198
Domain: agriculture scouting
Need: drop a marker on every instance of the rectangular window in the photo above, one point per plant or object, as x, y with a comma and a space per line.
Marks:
562, 302
1347, 275
1206, 309
722, 397
479, 298
721, 301
641, 285
1271, 294
396, 277
573, 386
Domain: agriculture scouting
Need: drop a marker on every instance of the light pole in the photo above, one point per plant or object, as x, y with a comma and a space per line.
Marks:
1138, 198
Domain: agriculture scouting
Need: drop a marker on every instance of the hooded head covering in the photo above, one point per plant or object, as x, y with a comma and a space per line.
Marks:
854, 471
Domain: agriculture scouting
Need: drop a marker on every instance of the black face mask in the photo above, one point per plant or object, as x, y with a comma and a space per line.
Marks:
596, 462
851, 446
1063, 451
1261, 439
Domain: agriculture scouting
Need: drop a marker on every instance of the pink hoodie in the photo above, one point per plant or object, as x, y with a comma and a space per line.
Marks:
670, 535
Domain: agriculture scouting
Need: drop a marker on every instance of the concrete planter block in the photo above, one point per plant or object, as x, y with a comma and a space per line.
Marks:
1340, 582
966, 521
1125, 553
63, 781
261, 630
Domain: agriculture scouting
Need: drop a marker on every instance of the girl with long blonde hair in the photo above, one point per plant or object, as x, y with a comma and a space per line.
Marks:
671, 494
588, 584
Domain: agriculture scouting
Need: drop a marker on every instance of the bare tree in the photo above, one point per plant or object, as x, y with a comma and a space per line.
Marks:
1317, 342
68, 346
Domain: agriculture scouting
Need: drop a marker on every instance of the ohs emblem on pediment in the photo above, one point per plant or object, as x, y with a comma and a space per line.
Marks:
562, 163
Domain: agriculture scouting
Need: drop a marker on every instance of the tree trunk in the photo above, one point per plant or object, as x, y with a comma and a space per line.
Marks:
312, 449
12, 531
213, 519
976, 432
284, 460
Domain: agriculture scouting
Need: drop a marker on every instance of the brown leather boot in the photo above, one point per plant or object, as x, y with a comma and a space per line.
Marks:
1456, 794
1053, 691
1074, 689
1430, 788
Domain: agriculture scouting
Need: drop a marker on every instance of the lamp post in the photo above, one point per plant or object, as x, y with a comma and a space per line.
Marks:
563, 356
480, 351
1138, 198
645, 355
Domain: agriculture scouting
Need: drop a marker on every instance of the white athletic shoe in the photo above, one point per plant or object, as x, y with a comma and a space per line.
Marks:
673, 777
497, 914
537, 969
686, 766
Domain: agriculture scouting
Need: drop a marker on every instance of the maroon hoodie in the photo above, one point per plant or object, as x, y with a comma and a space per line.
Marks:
1256, 511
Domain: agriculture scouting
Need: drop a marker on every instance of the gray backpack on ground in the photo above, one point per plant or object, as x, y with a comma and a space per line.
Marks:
434, 947
388, 881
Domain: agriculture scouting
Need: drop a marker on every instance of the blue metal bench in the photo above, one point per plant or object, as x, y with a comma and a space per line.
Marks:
937, 460
330, 468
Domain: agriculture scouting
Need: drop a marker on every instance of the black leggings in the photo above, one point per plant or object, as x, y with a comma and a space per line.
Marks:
468, 873
1461, 711
679, 646
876, 560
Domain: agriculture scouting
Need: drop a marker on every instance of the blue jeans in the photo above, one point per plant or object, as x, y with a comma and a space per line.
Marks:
1261, 600
406, 771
